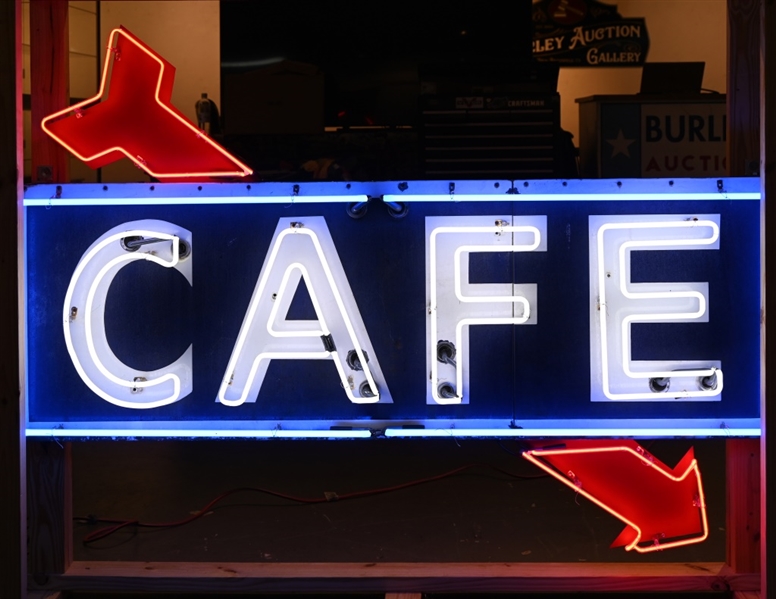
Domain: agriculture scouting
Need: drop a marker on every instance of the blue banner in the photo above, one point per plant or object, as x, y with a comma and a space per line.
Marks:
369, 309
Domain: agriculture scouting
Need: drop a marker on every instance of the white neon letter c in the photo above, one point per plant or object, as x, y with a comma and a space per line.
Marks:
83, 315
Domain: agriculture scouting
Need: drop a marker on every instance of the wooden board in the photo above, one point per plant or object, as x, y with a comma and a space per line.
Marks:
50, 531
743, 149
401, 577
768, 183
50, 85
743, 504
743, 88
12, 538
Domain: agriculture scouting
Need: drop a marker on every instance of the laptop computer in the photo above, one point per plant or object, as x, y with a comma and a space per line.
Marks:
672, 77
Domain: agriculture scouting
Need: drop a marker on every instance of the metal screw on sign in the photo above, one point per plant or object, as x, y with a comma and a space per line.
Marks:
357, 209
353, 361
365, 390
136, 389
132, 243
45, 173
659, 384
397, 209
446, 352
643, 452
446, 390
708, 383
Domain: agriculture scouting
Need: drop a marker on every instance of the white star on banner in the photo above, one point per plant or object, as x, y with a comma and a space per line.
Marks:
620, 144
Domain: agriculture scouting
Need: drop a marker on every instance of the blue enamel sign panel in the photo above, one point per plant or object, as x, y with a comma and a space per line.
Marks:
370, 309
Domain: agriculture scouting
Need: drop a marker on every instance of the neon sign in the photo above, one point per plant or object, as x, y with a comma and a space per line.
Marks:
302, 254
617, 303
470, 315
84, 315
132, 115
303, 251
454, 304
661, 507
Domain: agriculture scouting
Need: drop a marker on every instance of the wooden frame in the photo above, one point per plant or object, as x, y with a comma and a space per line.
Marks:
768, 187
48, 494
12, 456
402, 577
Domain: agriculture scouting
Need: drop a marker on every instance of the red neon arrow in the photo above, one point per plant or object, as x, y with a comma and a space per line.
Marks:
132, 116
662, 507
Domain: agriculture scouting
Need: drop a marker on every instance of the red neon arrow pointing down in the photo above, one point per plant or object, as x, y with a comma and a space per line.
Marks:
657, 503
133, 116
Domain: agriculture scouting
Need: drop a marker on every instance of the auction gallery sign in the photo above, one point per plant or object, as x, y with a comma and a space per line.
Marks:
587, 33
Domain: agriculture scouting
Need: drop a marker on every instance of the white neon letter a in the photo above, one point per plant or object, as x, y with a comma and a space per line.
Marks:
303, 250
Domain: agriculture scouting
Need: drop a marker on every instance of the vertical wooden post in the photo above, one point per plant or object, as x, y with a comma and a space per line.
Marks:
49, 472
49, 503
12, 508
743, 504
768, 188
743, 88
49, 85
743, 150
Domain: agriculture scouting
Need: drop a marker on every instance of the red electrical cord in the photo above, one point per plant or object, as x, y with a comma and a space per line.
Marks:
119, 524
